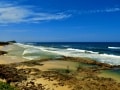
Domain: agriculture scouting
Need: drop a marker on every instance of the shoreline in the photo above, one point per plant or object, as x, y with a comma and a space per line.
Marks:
67, 73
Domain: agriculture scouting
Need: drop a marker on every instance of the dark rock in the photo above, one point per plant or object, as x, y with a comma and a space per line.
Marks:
3, 52
4, 43
10, 74
7, 43
11, 41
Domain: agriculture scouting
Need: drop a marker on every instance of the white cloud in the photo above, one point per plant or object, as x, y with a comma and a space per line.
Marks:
13, 14
48, 16
106, 10
16, 14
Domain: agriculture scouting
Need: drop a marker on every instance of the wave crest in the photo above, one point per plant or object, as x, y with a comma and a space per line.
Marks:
40, 51
114, 47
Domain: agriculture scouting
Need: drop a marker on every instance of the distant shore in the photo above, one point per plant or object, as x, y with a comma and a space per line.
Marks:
67, 73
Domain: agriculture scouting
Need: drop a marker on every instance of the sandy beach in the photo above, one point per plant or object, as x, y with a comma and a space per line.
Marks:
51, 75
1, 47
5, 59
59, 44
66, 73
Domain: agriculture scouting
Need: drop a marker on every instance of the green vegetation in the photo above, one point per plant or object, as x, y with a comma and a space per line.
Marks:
5, 86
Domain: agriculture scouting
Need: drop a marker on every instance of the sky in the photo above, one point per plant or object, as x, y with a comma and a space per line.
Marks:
60, 20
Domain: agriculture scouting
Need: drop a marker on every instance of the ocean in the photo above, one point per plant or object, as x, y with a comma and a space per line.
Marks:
105, 52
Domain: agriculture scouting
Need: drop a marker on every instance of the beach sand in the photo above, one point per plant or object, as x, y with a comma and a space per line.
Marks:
53, 76
52, 84
5, 59
67, 73
58, 64
1, 47
48, 66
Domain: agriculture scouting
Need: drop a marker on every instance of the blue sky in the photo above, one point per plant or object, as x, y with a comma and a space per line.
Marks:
60, 20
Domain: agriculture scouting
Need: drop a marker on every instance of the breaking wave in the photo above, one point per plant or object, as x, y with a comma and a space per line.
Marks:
33, 52
114, 47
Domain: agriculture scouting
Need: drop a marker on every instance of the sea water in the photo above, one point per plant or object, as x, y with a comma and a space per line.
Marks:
108, 52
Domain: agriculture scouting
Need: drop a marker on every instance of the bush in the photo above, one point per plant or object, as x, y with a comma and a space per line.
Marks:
5, 86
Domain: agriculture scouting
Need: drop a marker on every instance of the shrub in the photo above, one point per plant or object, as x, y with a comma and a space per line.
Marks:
5, 86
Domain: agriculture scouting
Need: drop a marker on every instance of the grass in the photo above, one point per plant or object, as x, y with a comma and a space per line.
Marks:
5, 86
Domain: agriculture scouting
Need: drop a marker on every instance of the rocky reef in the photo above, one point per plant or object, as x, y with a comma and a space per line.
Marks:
29, 76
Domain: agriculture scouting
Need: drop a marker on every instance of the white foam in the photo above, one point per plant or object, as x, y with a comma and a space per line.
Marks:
77, 50
104, 58
30, 57
114, 47
111, 56
30, 50
82, 51
24, 46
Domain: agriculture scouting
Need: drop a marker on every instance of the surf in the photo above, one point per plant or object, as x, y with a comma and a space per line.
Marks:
114, 47
36, 52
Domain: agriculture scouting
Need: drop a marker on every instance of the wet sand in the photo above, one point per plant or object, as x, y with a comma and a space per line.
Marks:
58, 64
66, 73
5, 59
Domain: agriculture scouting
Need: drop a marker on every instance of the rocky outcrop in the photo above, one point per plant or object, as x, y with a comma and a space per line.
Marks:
4, 43
11, 42
3, 52
10, 74
84, 78
7, 43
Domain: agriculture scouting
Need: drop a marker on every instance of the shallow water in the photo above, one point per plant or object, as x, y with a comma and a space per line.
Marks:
113, 73
101, 52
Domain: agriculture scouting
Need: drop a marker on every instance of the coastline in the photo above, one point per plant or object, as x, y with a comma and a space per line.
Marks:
7, 59
67, 73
